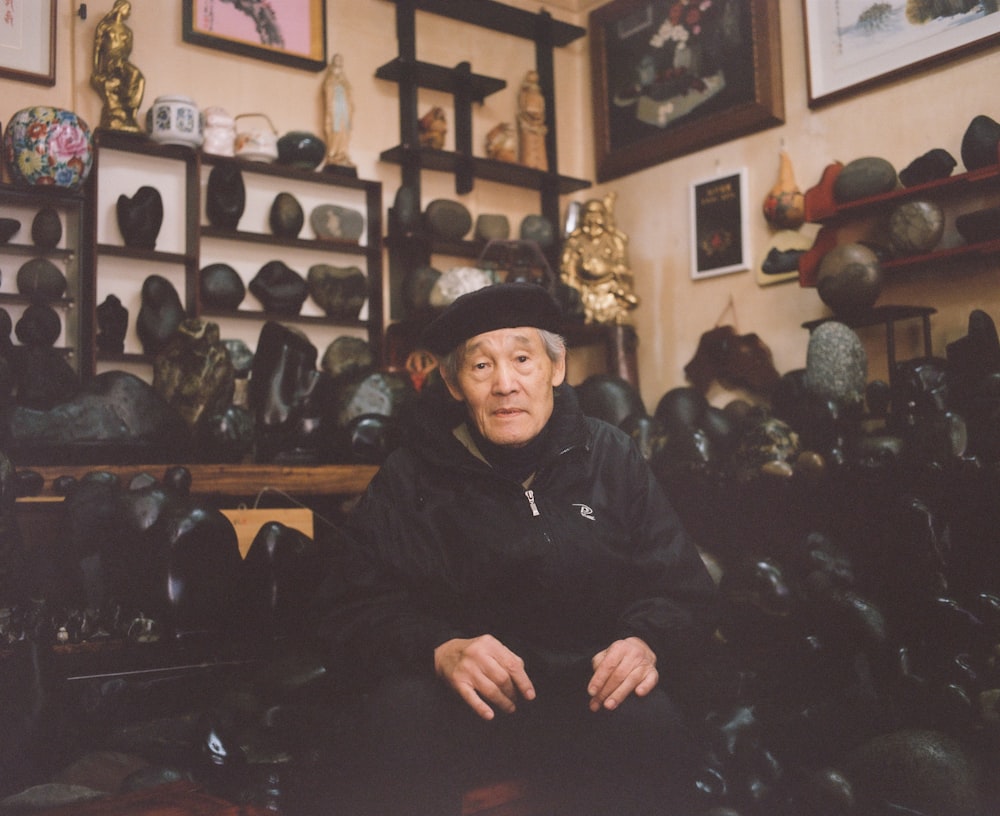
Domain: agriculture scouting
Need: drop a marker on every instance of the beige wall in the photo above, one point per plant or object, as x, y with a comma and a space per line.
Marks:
898, 122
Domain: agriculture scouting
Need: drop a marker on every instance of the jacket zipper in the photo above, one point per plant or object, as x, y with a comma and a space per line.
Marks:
530, 495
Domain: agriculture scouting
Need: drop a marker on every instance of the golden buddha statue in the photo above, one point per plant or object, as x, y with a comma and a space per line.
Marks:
595, 263
118, 82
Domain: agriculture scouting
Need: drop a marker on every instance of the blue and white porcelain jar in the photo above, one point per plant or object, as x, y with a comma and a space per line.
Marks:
175, 120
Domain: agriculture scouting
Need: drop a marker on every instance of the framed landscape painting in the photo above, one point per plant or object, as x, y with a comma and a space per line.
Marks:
290, 32
856, 45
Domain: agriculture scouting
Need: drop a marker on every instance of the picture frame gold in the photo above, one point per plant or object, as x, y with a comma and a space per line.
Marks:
28, 41
292, 32
731, 55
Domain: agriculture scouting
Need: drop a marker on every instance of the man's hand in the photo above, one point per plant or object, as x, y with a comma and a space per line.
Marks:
482, 670
626, 666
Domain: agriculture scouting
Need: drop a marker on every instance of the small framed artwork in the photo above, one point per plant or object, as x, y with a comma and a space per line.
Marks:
292, 32
28, 40
671, 77
719, 228
855, 45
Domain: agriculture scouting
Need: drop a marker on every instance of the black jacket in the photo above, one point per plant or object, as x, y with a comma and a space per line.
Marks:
442, 546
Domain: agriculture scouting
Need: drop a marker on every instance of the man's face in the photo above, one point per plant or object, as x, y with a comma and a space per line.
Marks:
506, 379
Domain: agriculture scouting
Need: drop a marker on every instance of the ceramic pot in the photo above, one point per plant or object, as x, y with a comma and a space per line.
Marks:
220, 132
47, 146
256, 143
300, 149
175, 120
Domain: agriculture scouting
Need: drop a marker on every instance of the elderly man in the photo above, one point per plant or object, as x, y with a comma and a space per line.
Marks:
515, 584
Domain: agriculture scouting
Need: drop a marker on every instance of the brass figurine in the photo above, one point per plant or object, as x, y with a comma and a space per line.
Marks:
118, 82
595, 263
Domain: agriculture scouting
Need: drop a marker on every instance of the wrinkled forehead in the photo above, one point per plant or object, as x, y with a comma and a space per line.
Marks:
520, 337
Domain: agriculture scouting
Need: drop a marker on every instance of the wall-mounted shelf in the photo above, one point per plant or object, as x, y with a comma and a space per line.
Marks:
822, 207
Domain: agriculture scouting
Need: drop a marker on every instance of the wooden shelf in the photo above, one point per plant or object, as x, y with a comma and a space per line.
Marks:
821, 207
135, 253
516, 175
315, 244
501, 17
238, 479
439, 78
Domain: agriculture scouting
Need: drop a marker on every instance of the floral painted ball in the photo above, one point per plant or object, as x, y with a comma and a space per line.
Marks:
47, 146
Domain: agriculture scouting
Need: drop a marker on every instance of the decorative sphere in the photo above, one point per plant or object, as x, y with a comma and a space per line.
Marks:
47, 146
849, 279
916, 226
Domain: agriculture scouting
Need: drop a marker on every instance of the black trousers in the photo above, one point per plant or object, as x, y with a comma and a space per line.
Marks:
422, 746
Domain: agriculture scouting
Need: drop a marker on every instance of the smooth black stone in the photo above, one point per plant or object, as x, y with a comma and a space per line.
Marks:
115, 417
46, 228
286, 216
331, 221
418, 283
405, 213
41, 280
980, 143
301, 149
978, 226
932, 165
539, 229
225, 196
44, 378
140, 217
279, 288
227, 436
611, 398
112, 325
285, 395
160, 314
221, 287
779, 261
9, 227
39, 325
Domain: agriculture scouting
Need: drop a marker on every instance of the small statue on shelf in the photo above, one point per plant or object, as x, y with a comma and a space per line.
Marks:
531, 123
595, 263
119, 83
338, 115
501, 143
433, 127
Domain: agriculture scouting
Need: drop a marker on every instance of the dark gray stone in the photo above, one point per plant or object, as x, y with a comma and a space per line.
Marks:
980, 143
112, 325
331, 221
41, 280
39, 325
44, 378
9, 227
447, 219
932, 165
279, 288
864, 177
160, 314
348, 357
539, 229
225, 196
241, 356
836, 364
221, 287
492, 227
287, 216
140, 217
849, 280
339, 291
46, 228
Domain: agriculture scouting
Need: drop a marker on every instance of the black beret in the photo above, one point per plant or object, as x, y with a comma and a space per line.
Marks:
500, 306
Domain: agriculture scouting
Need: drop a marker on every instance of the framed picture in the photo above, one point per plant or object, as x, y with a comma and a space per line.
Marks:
855, 45
720, 234
671, 77
292, 32
28, 40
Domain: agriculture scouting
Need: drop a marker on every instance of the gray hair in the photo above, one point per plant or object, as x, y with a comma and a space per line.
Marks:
555, 347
